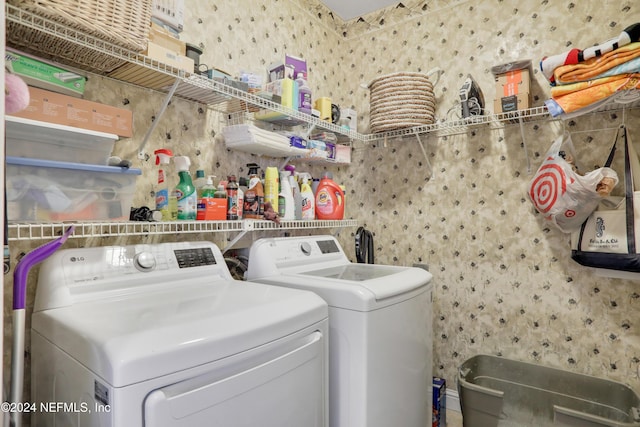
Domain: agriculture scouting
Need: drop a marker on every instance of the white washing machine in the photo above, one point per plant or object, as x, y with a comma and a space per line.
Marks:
162, 336
380, 328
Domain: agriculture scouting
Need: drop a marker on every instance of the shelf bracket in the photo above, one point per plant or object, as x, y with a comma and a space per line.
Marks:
524, 144
424, 153
283, 164
247, 226
310, 131
154, 124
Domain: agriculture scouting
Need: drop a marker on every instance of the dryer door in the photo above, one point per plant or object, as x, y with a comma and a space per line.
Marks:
276, 388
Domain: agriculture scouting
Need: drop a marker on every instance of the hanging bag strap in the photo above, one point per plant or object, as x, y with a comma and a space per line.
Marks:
628, 194
628, 185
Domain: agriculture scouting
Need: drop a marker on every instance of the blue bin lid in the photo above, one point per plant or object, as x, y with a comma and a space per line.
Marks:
25, 161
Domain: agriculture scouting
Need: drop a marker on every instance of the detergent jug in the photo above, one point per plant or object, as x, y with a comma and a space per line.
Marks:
329, 199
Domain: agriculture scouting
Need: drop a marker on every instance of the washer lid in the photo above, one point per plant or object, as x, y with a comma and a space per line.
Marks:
129, 340
360, 287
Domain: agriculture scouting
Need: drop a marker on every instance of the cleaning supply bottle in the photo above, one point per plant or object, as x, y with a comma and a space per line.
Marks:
314, 185
286, 207
173, 205
329, 199
163, 157
220, 193
271, 190
254, 196
240, 208
308, 199
199, 182
207, 193
185, 190
304, 93
232, 198
295, 191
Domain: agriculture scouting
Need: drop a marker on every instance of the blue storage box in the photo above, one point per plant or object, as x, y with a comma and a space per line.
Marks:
45, 190
439, 402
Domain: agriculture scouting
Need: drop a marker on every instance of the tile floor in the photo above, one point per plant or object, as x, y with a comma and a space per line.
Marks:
454, 419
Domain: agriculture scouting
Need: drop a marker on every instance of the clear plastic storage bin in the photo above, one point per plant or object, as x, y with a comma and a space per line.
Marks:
44, 190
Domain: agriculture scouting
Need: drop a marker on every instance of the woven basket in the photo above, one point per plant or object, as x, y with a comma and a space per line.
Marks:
124, 23
401, 100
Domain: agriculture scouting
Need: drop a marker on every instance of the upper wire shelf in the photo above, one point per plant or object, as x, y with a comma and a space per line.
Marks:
228, 99
193, 87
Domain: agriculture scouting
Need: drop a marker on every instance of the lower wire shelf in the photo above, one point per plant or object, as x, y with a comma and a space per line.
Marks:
45, 231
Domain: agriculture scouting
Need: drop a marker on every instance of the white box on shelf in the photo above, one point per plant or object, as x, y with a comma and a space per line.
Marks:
44, 190
50, 141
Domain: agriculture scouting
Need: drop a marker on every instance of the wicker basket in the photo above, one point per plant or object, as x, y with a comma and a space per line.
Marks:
402, 100
124, 23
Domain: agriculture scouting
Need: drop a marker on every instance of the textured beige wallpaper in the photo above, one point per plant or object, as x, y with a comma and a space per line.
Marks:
503, 279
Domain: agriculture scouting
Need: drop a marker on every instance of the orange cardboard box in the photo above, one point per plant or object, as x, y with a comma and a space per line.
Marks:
513, 86
513, 83
211, 208
61, 109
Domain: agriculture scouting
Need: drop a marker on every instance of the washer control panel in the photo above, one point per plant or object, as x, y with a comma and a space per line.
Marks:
194, 257
296, 251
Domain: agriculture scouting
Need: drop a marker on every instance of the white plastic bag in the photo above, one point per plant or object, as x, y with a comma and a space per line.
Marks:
561, 194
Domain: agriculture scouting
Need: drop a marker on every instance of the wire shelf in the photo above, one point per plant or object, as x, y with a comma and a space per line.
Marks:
149, 73
45, 231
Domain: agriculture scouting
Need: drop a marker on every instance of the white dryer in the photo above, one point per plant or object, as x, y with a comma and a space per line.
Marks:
380, 328
162, 336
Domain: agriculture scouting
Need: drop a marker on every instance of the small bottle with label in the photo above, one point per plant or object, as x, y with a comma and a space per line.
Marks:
232, 198
304, 92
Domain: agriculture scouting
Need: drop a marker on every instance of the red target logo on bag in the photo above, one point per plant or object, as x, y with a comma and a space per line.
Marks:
548, 185
563, 196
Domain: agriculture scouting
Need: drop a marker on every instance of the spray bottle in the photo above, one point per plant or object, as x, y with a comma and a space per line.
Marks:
254, 196
286, 207
295, 191
163, 157
185, 190
308, 199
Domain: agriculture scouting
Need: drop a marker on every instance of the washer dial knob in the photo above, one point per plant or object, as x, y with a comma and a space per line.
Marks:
144, 261
305, 247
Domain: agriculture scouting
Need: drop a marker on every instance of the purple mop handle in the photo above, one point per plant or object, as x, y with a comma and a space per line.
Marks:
21, 272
